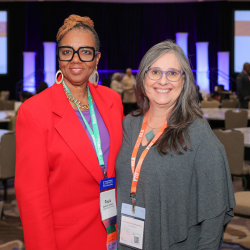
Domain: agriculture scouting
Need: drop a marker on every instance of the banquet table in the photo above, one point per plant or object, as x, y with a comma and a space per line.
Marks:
246, 132
219, 113
4, 114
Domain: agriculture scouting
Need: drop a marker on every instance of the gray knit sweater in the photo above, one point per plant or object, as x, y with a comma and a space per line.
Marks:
188, 198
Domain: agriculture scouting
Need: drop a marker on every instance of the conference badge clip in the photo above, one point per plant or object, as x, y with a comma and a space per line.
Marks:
132, 226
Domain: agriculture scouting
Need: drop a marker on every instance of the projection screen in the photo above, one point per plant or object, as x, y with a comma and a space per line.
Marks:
3, 42
241, 39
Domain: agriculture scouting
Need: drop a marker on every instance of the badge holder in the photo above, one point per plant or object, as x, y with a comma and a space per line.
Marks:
132, 226
108, 210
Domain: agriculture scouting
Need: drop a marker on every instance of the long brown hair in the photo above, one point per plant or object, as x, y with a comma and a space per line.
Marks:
186, 108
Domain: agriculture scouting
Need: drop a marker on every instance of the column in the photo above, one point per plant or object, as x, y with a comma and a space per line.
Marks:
182, 41
223, 69
202, 71
49, 62
29, 68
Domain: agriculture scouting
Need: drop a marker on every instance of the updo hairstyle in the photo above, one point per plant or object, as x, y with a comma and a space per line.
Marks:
78, 22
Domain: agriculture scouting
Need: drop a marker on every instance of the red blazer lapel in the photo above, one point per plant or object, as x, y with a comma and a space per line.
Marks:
72, 132
109, 116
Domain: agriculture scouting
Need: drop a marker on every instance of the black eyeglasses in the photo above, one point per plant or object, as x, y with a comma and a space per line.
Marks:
172, 75
85, 54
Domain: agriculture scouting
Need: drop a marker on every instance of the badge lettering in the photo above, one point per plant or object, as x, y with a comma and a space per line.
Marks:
136, 176
141, 133
133, 162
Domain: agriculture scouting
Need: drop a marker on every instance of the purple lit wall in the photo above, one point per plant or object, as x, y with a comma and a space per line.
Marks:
202, 71
49, 62
223, 69
29, 71
182, 41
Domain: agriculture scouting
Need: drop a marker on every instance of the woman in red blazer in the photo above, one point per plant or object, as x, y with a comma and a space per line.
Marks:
57, 169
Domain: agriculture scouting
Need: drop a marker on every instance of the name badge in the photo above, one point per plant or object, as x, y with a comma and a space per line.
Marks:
132, 226
108, 199
107, 183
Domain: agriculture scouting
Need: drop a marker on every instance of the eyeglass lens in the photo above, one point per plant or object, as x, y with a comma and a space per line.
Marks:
86, 54
156, 74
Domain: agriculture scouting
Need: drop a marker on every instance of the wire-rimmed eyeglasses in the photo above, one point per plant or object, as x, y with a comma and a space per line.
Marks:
172, 75
85, 54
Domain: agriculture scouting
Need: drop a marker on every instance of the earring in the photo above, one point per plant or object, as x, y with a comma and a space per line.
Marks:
57, 73
95, 76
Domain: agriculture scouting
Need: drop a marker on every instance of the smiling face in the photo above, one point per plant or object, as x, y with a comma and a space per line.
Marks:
164, 93
77, 72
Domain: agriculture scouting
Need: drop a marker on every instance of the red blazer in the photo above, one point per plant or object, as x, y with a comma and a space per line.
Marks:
57, 171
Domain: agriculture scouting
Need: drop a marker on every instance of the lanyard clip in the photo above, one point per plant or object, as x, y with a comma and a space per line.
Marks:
105, 175
132, 196
104, 172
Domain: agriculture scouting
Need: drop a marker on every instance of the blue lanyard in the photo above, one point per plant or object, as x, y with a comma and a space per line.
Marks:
95, 135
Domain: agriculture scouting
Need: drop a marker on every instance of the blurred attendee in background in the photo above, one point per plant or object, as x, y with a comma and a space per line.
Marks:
25, 95
42, 86
128, 83
243, 86
199, 93
220, 93
116, 83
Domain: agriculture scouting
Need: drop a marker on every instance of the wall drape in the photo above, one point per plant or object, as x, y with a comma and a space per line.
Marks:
126, 31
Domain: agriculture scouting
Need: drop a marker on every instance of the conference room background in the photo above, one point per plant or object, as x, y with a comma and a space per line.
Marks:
126, 31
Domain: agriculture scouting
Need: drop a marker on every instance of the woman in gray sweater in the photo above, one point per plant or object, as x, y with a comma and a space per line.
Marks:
174, 187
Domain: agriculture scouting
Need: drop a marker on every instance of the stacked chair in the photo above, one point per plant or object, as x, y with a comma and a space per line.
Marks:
210, 104
233, 142
229, 103
236, 119
7, 159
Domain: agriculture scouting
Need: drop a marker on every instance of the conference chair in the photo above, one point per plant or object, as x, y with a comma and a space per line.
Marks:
2, 105
9, 105
233, 96
236, 119
233, 142
242, 208
4, 95
12, 245
210, 104
13, 123
229, 103
204, 93
7, 159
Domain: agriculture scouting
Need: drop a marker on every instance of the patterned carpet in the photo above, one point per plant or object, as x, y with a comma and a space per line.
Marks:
236, 236
231, 246
10, 226
238, 231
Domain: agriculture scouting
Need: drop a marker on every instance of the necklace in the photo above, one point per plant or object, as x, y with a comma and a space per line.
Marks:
150, 135
72, 99
152, 127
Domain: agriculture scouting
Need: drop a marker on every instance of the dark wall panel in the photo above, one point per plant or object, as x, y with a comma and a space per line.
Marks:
126, 31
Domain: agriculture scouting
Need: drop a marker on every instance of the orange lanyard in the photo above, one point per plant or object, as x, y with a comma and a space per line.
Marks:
136, 171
